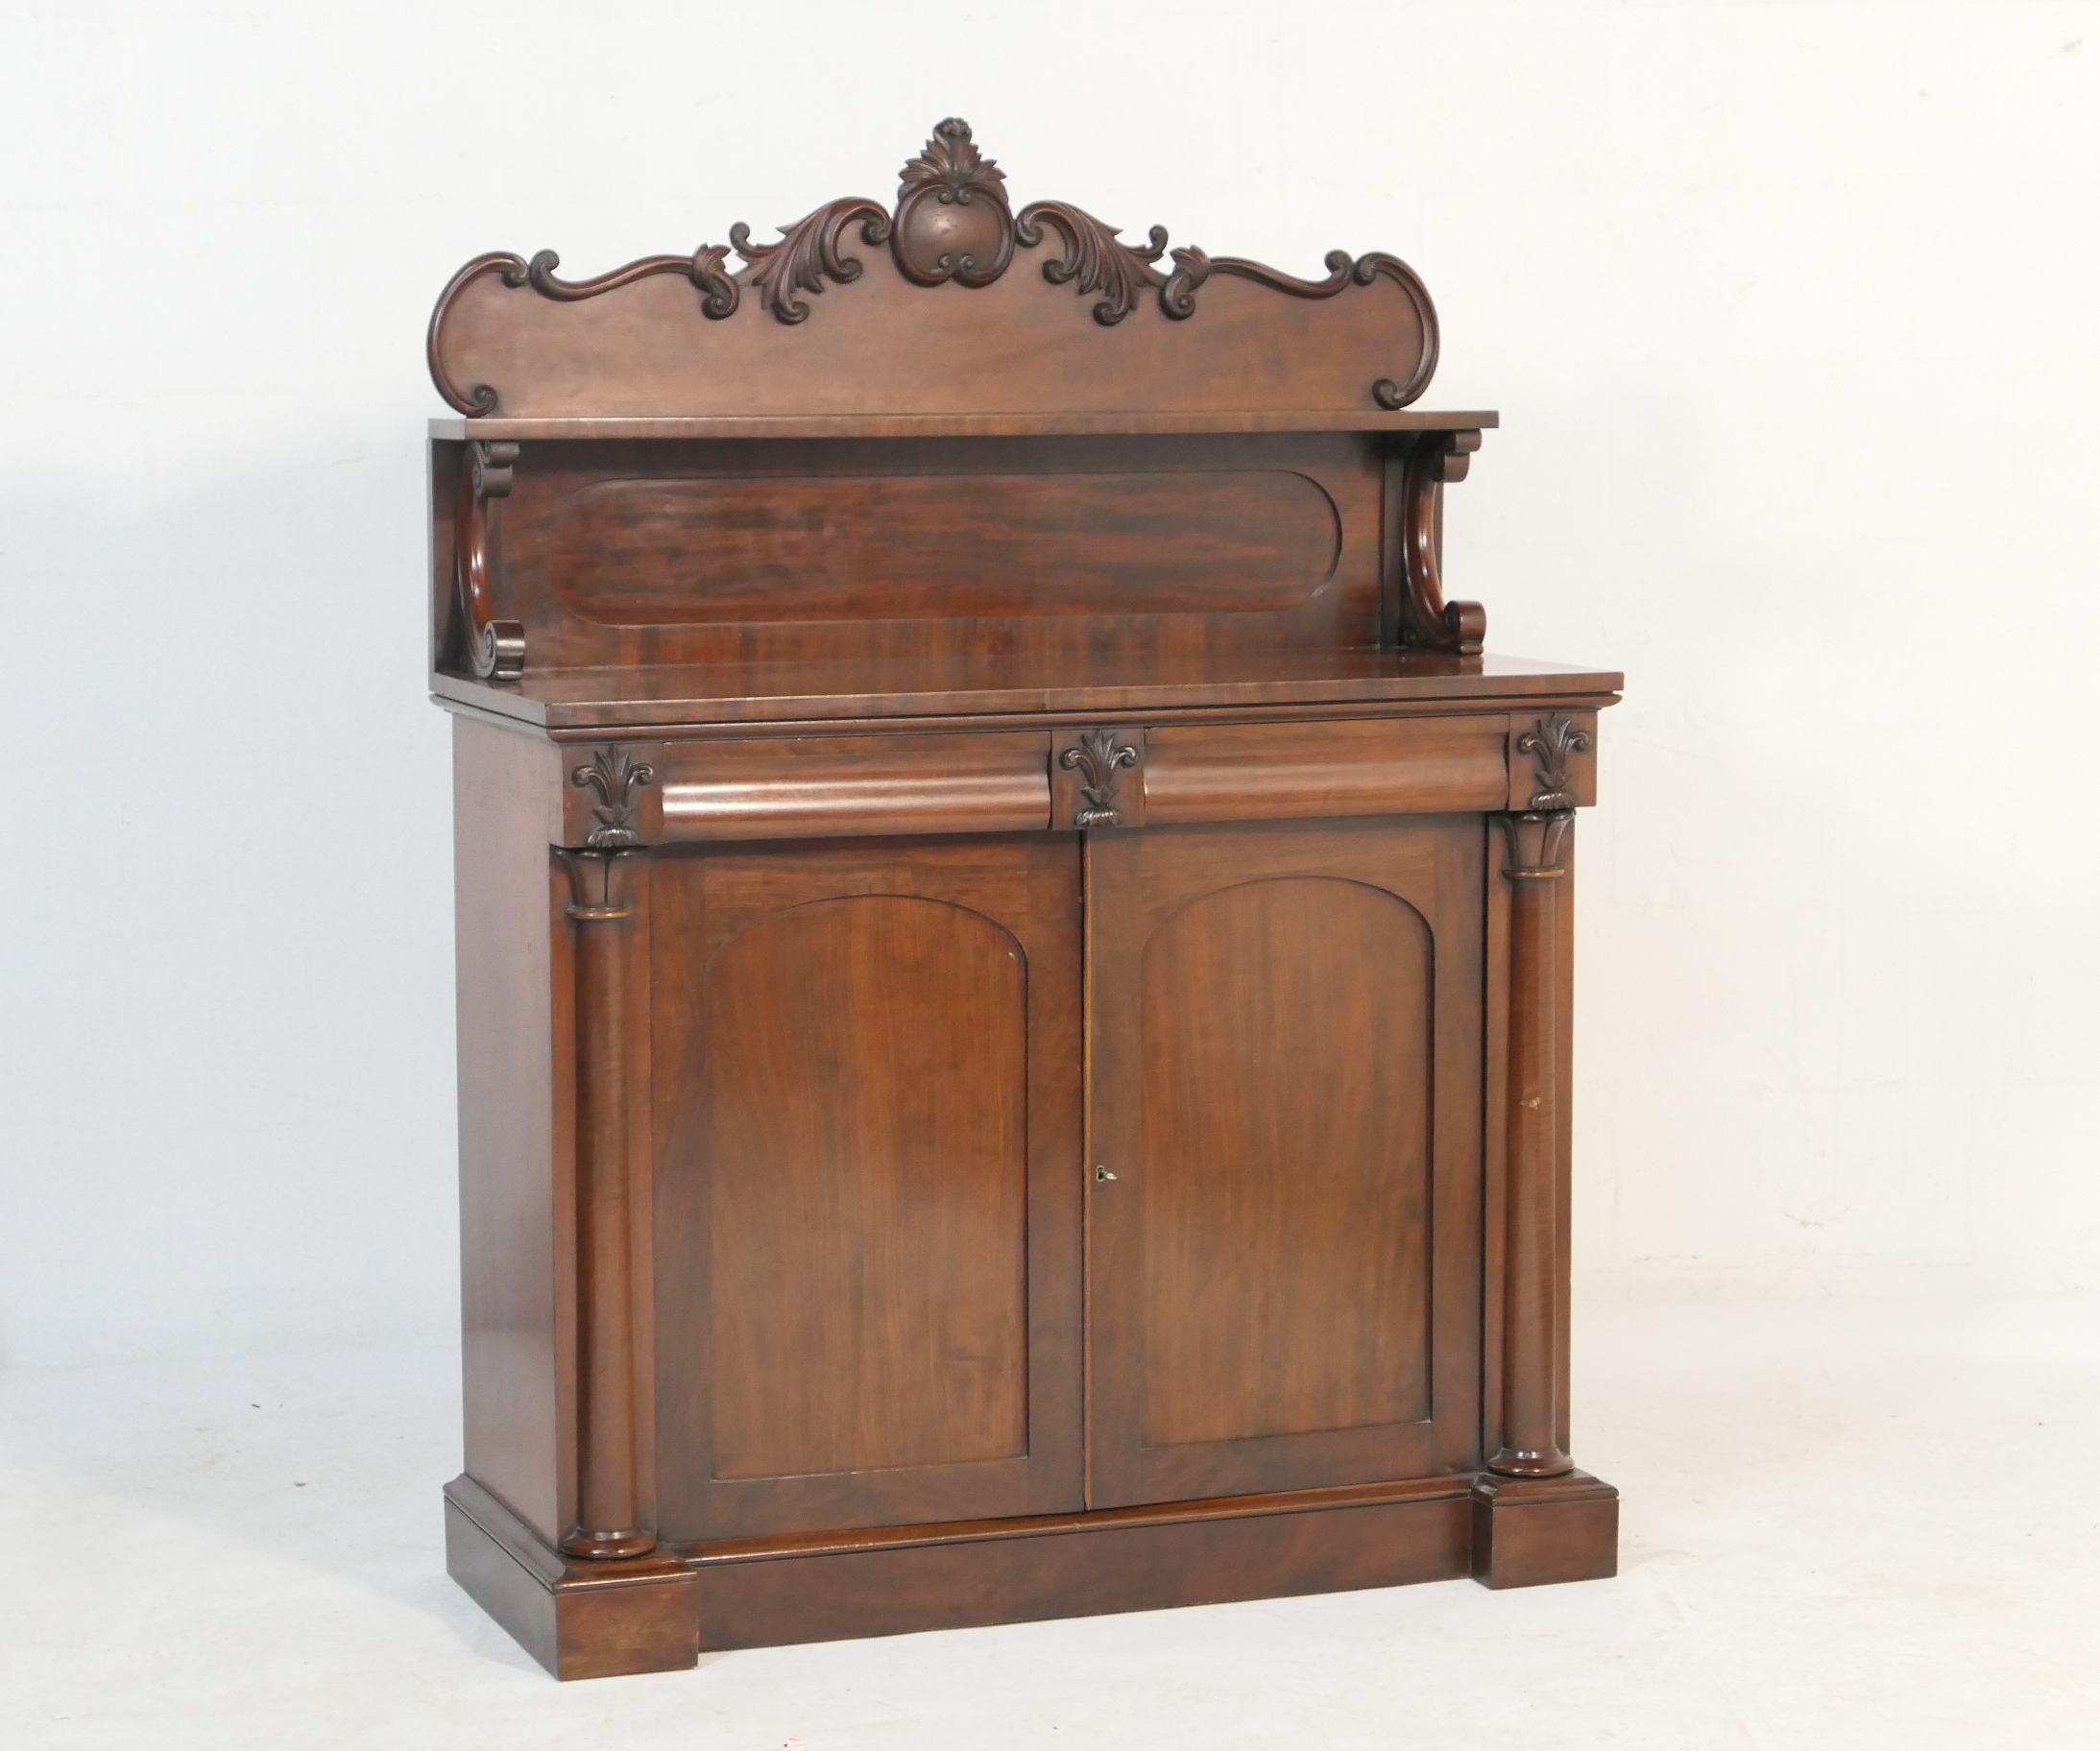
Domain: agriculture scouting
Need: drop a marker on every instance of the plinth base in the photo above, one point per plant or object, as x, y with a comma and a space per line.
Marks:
655, 1614
1529, 1531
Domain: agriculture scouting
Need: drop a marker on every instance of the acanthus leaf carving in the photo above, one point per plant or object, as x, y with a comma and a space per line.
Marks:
808, 254
615, 776
1095, 258
1552, 741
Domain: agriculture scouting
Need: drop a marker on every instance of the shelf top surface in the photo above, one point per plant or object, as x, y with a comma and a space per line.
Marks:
725, 694
964, 425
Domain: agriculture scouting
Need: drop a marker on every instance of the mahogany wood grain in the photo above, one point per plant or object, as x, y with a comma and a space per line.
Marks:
970, 309
611, 1425
743, 552
1014, 952
825, 787
1076, 423
1286, 1192
1375, 766
1531, 1345
1020, 689
868, 1184
1284, 1081
736, 550
1535, 1531
504, 933
579, 1619
1140, 1560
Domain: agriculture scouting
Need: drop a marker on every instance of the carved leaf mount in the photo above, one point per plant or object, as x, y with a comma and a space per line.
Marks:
1098, 757
1552, 741
952, 220
615, 776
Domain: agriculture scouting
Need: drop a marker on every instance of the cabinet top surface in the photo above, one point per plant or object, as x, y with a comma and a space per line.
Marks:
1131, 424
1022, 688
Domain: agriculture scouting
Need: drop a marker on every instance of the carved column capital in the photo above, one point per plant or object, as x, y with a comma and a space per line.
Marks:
1537, 841
602, 885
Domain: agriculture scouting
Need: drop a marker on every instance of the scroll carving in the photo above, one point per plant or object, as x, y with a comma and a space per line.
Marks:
1098, 757
718, 293
496, 649
615, 777
1550, 742
1427, 621
952, 222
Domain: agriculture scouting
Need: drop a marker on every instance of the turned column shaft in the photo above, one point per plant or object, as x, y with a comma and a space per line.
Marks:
1530, 1342
606, 1511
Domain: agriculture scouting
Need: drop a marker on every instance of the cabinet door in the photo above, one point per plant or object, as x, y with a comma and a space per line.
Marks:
1285, 1063
868, 1249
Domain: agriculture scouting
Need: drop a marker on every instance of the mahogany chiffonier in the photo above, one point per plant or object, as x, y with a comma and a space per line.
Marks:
1014, 956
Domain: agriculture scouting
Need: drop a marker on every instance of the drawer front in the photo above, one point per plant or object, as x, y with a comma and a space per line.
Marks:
1276, 772
829, 787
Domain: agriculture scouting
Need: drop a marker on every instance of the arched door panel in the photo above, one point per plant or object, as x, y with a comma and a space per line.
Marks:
1285, 1089
867, 1275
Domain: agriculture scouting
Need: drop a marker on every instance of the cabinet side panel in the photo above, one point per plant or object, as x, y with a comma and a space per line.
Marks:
500, 783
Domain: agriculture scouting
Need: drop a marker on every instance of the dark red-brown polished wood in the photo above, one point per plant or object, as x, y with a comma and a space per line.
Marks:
1014, 954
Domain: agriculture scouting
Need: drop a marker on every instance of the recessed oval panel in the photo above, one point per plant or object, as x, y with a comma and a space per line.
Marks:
756, 548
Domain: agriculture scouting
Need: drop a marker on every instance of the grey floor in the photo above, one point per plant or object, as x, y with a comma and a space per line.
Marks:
1851, 1523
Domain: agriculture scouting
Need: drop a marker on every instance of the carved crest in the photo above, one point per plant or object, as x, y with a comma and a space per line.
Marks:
615, 776
952, 220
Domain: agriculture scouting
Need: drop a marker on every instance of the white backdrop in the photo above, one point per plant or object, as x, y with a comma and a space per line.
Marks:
1789, 310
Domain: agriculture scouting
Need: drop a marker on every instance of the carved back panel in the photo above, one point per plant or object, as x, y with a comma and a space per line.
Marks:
942, 428
950, 302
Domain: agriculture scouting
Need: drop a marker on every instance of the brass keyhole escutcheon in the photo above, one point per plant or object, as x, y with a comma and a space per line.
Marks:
1102, 1173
